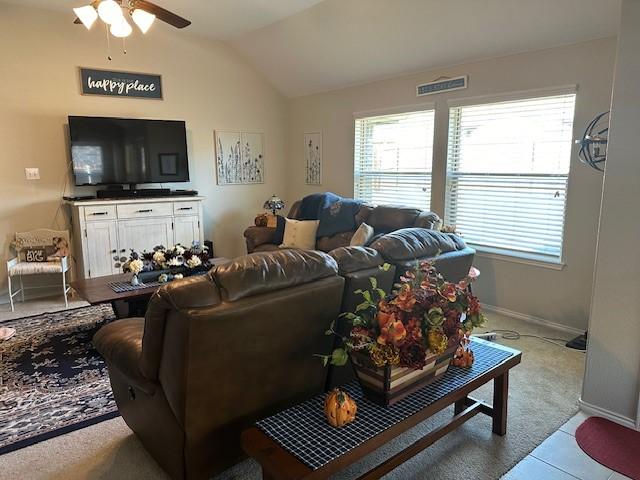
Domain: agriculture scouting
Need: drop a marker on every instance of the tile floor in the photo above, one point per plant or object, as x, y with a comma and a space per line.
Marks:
560, 458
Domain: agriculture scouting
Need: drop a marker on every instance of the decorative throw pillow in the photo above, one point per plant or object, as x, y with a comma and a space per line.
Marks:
363, 236
300, 234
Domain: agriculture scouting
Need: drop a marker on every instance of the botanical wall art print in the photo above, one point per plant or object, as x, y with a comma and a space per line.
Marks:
239, 158
313, 158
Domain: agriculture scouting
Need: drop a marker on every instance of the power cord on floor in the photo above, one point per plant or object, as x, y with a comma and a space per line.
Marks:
515, 335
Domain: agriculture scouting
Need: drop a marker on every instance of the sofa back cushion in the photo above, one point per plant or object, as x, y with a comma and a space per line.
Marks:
196, 292
415, 243
263, 272
386, 218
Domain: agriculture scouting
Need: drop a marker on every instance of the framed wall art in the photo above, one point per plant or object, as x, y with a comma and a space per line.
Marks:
239, 157
313, 158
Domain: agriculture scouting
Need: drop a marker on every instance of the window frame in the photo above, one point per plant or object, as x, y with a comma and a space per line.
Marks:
496, 253
398, 110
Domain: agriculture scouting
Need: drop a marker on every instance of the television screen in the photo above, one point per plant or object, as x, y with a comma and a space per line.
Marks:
128, 151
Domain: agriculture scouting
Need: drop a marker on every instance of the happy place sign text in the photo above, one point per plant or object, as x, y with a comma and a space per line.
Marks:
120, 84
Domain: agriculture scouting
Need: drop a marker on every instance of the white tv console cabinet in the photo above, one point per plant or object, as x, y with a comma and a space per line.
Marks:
105, 231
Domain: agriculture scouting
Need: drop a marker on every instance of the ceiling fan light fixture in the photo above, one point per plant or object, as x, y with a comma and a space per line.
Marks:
121, 29
143, 19
87, 15
110, 12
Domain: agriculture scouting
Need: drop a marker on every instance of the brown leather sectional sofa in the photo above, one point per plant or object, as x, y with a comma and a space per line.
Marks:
217, 352
383, 219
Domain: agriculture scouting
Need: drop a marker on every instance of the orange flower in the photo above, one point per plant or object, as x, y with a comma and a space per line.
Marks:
405, 300
393, 332
448, 291
385, 318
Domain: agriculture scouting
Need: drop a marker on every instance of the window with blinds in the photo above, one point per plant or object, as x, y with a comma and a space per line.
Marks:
507, 172
393, 157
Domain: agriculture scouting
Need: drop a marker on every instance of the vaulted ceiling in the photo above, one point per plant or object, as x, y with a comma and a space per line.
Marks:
306, 46
219, 19
337, 43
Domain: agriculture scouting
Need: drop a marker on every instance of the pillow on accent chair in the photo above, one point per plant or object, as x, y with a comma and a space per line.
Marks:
363, 236
300, 234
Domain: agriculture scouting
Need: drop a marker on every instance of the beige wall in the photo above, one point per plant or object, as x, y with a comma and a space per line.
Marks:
205, 83
556, 296
613, 357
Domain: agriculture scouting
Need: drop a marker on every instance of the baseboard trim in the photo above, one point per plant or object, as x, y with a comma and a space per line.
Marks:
591, 409
532, 319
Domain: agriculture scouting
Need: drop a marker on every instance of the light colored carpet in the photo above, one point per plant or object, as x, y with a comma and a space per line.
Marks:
38, 306
543, 394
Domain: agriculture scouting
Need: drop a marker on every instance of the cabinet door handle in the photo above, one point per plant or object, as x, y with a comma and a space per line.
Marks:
114, 251
185, 208
123, 250
146, 210
99, 213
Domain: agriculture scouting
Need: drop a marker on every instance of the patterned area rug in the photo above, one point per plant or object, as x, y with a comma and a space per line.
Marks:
53, 380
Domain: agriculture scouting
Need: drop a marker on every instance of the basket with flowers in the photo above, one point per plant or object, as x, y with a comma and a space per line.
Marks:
403, 341
165, 264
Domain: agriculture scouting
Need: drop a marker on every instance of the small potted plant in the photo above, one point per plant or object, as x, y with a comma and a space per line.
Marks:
400, 342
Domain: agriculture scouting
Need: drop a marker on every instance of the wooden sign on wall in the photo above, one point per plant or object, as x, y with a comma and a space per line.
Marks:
120, 84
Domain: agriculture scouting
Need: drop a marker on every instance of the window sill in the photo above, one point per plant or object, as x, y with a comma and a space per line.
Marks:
532, 260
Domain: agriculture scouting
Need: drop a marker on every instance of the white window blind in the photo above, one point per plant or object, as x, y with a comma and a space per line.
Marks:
393, 157
507, 171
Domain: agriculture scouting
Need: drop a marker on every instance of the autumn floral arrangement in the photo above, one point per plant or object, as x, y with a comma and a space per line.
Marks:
424, 316
176, 259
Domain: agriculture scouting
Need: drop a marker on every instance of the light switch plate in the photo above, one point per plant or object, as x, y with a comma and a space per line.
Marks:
32, 173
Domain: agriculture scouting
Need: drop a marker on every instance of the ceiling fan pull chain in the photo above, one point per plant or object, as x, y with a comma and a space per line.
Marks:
108, 44
124, 45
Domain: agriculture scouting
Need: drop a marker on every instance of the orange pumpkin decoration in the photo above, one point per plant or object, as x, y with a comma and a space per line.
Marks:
339, 408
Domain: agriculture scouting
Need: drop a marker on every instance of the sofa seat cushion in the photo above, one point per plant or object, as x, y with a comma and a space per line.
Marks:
353, 259
263, 272
415, 243
120, 343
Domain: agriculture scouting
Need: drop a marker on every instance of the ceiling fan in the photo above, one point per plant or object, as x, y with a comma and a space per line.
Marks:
114, 14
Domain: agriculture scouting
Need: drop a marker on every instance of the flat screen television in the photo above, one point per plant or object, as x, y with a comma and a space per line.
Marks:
107, 151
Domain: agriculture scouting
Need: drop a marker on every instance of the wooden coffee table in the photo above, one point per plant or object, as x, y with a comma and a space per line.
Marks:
298, 443
97, 291
125, 304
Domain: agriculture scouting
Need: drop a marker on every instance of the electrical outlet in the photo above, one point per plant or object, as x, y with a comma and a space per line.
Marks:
32, 173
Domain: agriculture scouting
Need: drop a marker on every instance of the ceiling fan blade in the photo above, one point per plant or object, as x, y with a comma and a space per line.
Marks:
162, 14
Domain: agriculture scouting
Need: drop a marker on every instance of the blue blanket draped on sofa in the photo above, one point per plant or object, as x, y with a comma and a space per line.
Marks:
336, 214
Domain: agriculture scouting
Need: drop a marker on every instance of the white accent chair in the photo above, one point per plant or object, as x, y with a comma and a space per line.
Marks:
18, 266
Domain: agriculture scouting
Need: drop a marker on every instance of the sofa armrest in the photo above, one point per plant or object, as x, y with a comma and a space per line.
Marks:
256, 236
427, 220
120, 343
